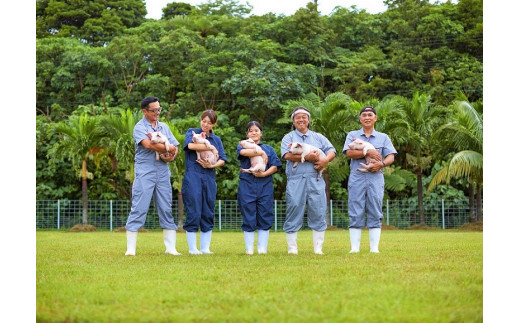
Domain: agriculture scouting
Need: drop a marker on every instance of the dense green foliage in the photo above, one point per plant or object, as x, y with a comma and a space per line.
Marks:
410, 62
419, 276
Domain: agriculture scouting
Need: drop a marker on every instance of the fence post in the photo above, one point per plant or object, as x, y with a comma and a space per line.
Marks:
58, 214
442, 207
110, 215
219, 216
330, 212
275, 217
387, 213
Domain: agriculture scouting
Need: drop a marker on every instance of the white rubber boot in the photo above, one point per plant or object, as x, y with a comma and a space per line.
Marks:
205, 241
131, 241
249, 238
191, 237
318, 238
170, 238
355, 240
263, 239
374, 236
291, 243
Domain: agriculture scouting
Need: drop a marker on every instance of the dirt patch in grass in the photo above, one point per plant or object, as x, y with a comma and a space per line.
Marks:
333, 228
421, 227
123, 229
475, 226
388, 227
83, 228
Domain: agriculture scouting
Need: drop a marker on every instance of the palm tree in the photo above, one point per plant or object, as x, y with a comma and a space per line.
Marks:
120, 130
177, 169
82, 138
465, 135
423, 119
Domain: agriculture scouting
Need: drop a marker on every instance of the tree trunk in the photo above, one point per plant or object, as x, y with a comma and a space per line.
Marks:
471, 194
420, 198
479, 202
180, 210
84, 193
326, 178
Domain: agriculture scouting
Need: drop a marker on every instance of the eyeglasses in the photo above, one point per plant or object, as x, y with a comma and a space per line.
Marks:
155, 110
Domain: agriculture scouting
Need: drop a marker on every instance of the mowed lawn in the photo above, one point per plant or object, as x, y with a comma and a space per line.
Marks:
419, 276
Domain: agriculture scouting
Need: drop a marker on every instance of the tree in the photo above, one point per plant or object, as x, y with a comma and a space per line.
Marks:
423, 118
173, 9
95, 22
82, 138
177, 170
120, 130
464, 134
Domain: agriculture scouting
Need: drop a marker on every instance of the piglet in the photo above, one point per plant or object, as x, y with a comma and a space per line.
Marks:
304, 149
206, 155
358, 144
157, 137
257, 162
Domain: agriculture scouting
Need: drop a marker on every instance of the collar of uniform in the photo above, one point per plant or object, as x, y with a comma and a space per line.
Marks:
157, 128
362, 133
307, 134
199, 131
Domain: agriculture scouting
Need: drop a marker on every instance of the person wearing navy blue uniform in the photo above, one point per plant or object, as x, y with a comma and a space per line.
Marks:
303, 185
199, 186
366, 189
152, 177
256, 191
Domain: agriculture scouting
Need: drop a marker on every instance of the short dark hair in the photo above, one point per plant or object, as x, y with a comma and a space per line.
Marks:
211, 114
145, 104
253, 123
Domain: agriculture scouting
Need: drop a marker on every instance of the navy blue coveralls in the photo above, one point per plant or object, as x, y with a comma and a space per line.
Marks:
199, 187
152, 178
256, 194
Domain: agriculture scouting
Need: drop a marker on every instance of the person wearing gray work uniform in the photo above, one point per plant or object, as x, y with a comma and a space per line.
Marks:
366, 189
152, 178
303, 186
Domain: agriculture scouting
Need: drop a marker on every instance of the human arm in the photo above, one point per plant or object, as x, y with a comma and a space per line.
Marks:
323, 161
273, 169
251, 152
378, 165
207, 164
203, 147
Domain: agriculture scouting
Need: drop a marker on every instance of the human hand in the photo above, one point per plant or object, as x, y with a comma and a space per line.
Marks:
374, 154
259, 173
167, 157
204, 163
313, 156
320, 164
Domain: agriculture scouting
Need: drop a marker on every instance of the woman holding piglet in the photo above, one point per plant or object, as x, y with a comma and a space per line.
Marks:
203, 152
255, 190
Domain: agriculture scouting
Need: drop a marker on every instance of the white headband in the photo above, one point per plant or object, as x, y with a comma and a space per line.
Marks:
300, 111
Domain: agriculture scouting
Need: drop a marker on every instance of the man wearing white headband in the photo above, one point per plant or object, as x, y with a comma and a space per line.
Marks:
303, 188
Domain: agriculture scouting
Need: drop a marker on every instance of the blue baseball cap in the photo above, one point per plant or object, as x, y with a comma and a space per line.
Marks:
368, 108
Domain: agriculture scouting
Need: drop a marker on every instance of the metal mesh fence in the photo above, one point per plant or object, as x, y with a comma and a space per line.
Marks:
110, 215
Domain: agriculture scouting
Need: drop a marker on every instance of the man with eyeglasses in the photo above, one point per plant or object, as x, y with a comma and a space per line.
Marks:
152, 178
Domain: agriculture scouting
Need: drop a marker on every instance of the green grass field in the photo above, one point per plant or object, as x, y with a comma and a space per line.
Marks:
419, 276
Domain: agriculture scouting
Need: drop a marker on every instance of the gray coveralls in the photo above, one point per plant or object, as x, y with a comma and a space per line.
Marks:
152, 178
303, 188
366, 190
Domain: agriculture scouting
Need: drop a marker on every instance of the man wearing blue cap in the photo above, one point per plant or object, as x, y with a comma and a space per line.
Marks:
366, 189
